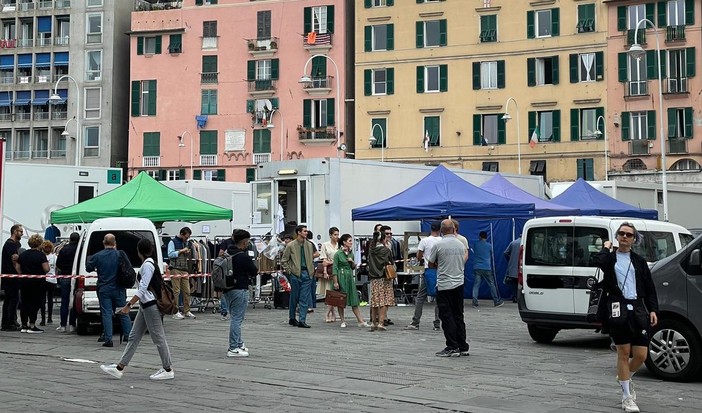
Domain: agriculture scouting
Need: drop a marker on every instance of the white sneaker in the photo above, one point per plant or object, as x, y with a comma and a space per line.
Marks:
343, 325
631, 389
629, 405
162, 374
237, 352
179, 316
224, 317
190, 315
71, 329
412, 327
111, 369
363, 324
61, 329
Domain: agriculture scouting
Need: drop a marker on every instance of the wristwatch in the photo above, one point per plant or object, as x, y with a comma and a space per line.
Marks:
129, 305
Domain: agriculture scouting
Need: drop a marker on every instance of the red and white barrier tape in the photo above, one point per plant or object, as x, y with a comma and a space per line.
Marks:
95, 276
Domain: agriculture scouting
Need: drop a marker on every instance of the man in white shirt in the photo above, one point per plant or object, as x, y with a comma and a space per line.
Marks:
424, 248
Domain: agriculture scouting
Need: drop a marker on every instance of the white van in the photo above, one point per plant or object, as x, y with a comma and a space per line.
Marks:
556, 268
128, 232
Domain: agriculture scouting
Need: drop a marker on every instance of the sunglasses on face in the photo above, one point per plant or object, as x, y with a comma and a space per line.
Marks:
625, 234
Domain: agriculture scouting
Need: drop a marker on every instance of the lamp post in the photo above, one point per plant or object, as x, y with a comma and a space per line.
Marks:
270, 125
56, 99
637, 52
506, 117
181, 144
599, 133
306, 79
373, 139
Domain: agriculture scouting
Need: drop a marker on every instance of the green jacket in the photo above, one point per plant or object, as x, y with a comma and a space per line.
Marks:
292, 258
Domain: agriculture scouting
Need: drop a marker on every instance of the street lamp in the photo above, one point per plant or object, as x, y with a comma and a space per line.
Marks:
506, 117
599, 133
182, 144
373, 140
636, 51
306, 79
282, 130
56, 99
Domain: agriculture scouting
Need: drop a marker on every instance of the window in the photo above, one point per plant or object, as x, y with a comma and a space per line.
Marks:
319, 19
94, 28
432, 79
675, 9
317, 118
152, 45
488, 28
41, 144
431, 33
680, 66
92, 102
432, 131
583, 124
637, 75
634, 164
379, 81
586, 67
542, 71
379, 37
263, 25
209, 70
209, 102
680, 123
209, 35
491, 167
175, 44
686, 165
143, 98
93, 62
152, 144
213, 175
560, 246
23, 144
538, 168
635, 13
586, 18
208, 142
638, 125
545, 125
543, 23
488, 130
91, 142
261, 141
175, 174
488, 75
586, 169
205, 2
379, 132
94, 3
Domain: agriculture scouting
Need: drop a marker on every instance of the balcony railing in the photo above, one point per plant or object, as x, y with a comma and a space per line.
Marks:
23, 116
208, 160
57, 153
328, 132
42, 78
261, 157
317, 39
59, 115
25, 43
62, 40
636, 88
149, 161
209, 78
46, 4
319, 82
21, 155
675, 85
6, 80
638, 147
142, 5
41, 115
262, 45
40, 153
6, 116
677, 145
641, 38
262, 85
674, 33
63, 4
44, 41
26, 6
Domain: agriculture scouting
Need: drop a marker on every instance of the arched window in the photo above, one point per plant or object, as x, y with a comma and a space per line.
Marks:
686, 165
634, 164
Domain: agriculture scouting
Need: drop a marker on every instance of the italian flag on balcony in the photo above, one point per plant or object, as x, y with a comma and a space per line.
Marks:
534, 137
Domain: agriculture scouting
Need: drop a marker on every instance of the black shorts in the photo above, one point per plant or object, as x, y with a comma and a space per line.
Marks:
637, 329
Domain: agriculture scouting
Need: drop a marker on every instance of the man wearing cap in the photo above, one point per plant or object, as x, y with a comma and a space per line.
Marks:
424, 248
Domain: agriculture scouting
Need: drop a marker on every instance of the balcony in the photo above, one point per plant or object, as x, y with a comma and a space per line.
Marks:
317, 43
7, 80
319, 86
674, 33
59, 115
63, 4
41, 115
46, 4
42, 78
151, 161
638, 147
149, 5
40, 153
25, 43
57, 153
21, 116
21, 154
211, 78
675, 85
44, 41
208, 160
26, 6
24, 80
636, 88
262, 88
325, 134
262, 47
677, 145
261, 158
641, 38
62, 40
6, 116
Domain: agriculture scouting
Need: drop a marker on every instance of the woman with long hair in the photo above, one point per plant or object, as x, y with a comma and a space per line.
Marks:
382, 295
47, 305
327, 254
32, 262
344, 279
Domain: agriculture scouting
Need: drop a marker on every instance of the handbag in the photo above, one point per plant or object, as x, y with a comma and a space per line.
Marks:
323, 271
597, 305
335, 298
390, 272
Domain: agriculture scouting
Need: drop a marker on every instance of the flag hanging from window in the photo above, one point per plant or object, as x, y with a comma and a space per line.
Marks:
426, 141
534, 137
311, 37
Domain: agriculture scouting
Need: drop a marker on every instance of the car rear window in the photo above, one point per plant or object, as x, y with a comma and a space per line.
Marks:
564, 246
126, 241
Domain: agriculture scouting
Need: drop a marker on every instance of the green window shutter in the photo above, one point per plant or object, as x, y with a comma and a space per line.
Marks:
330, 19
580, 168
159, 41
389, 3
671, 122
651, 11
390, 80
208, 142
476, 75
379, 132
221, 175
590, 175
420, 79
477, 130
530, 25
574, 124
600, 112
275, 103
162, 175
275, 69
690, 61
443, 78
140, 45
367, 82
501, 131
181, 174
368, 4
443, 37
689, 12
209, 64
152, 144
651, 67
555, 70
250, 174
205, 102
197, 175
250, 69
626, 120
420, 34
307, 113
307, 15
532, 125
599, 66
555, 22
175, 44
573, 59
390, 39
556, 125
531, 71
199, 2
623, 70
152, 98
621, 18
368, 38
319, 66
688, 123
420, 1
136, 97
262, 141
330, 113
662, 64
250, 106
500, 74
662, 10
651, 125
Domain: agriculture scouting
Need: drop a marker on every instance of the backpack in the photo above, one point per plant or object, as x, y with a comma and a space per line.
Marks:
223, 271
126, 276
165, 301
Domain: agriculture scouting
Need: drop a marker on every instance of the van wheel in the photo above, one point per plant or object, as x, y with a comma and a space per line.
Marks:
542, 335
81, 326
674, 352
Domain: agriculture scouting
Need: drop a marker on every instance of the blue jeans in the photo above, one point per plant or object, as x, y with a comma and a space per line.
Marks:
313, 293
299, 295
237, 301
487, 276
65, 286
112, 299
223, 305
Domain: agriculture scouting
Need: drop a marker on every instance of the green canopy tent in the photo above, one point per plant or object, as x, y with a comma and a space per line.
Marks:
142, 197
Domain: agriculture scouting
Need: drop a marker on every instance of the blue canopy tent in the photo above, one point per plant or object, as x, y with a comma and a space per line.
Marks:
498, 185
441, 194
590, 201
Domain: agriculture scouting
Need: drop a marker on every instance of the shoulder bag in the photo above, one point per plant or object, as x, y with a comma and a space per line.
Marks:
335, 298
390, 272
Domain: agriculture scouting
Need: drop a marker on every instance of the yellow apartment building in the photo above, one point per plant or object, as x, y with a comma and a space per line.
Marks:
434, 80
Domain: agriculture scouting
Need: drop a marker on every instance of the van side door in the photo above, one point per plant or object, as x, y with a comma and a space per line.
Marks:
587, 242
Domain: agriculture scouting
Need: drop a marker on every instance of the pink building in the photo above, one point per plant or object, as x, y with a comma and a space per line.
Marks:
216, 85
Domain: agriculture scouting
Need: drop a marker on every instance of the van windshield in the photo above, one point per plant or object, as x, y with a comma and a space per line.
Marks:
655, 245
564, 246
126, 241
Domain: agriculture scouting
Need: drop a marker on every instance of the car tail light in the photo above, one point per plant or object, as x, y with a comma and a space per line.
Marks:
520, 264
80, 282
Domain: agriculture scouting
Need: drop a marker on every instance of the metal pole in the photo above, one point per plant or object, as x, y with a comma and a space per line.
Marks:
78, 109
606, 148
382, 138
192, 176
3, 148
519, 139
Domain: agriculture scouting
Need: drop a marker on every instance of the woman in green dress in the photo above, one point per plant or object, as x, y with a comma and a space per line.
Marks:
345, 280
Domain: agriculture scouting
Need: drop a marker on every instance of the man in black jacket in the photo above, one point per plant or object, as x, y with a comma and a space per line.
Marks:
10, 253
64, 265
632, 306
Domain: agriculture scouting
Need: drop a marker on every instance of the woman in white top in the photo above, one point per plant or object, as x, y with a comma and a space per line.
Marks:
327, 253
148, 317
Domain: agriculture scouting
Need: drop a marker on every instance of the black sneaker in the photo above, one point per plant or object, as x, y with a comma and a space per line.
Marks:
101, 339
449, 352
388, 322
437, 326
293, 322
464, 352
108, 344
35, 330
43, 323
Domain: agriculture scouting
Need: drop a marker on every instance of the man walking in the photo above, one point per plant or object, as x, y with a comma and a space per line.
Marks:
178, 254
512, 256
482, 270
110, 294
449, 256
10, 254
425, 246
297, 263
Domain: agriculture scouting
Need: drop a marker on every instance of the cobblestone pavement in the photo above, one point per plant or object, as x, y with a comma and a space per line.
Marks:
330, 369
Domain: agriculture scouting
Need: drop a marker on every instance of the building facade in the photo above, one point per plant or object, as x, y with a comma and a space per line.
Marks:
82, 44
439, 77
216, 86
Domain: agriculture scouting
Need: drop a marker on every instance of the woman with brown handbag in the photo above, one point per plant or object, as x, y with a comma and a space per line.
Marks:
382, 294
324, 276
345, 280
